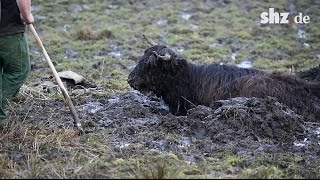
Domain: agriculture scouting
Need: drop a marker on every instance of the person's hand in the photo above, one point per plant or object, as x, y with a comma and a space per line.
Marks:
29, 19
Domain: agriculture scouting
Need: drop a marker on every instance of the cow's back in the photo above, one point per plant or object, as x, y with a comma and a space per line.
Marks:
207, 79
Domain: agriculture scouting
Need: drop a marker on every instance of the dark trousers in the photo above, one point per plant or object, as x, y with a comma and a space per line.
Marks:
14, 68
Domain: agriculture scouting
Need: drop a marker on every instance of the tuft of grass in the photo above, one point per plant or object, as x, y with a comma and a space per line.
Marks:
264, 172
159, 168
235, 160
106, 33
86, 33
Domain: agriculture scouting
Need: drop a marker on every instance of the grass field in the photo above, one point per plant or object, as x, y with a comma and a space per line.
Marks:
102, 40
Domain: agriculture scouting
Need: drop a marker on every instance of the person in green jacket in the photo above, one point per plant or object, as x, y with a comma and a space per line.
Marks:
14, 49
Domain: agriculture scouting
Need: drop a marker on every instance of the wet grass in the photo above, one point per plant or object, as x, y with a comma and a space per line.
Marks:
102, 40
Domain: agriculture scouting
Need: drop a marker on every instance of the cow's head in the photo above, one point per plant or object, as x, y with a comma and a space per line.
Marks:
157, 68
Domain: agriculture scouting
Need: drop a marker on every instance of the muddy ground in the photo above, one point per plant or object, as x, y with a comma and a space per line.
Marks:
133, 135
253, 130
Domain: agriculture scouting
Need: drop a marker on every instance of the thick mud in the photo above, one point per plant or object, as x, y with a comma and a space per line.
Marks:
138, 124
240, 125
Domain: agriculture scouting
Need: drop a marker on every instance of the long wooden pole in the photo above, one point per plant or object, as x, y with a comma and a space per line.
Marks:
56, 76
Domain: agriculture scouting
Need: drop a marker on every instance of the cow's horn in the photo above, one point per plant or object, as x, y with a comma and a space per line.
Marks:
166, 57
149, 41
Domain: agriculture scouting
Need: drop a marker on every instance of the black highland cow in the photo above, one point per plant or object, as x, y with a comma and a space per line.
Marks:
183, 85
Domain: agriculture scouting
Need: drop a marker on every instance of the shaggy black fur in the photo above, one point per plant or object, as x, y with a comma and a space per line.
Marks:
183, 85
313, 74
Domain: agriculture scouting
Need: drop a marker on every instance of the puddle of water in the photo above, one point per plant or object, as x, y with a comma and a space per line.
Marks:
186, 16
264, 148
92, 107
162, 145
189, 159
233, 55
113, 6
155, 150
115, 51
184, 142
317, 131
66, 27
115, 54
121, 145
162, 22
258, 22
163, 33
159, 145
214, 45
302, 33
194, 27
71, 54
36, 52
179, 49
105, 122
306, 44
246, 153
301, 143
114, 100
87, 6
75, 9
245, 64
147, 101
99, 57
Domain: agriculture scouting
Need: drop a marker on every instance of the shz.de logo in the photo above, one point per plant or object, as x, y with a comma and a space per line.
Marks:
272, 17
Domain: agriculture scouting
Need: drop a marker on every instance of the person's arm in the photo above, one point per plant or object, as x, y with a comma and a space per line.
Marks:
25, 11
